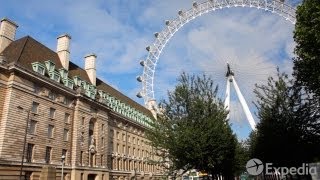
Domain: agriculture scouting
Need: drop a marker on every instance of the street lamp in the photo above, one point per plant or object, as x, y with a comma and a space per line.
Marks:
135, 173
63, 157
25, 139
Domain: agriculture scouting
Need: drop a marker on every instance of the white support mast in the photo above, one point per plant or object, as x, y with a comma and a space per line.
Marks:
230, 78
227, 100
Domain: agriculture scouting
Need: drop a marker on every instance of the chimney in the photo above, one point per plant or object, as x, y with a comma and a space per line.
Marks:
63, 50
7, 33
90, 67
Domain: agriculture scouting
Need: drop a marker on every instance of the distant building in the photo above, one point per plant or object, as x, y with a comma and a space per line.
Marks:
100, 131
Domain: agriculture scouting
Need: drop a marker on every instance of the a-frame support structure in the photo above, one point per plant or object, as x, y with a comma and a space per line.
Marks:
231, 79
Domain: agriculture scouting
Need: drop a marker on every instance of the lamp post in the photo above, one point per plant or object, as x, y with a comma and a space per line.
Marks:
135, 173
63, 157
25, 139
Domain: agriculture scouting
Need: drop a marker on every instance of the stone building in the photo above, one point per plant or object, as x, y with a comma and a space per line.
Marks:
50, 107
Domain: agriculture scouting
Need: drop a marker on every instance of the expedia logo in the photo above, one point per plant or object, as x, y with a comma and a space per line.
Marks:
254, 167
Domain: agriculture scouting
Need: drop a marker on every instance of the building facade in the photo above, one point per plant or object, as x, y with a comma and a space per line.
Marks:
51, 108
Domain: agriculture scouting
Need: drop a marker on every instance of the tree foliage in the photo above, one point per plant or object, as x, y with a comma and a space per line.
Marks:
289, 130
307, 37
192, 132
288, 133
242, 156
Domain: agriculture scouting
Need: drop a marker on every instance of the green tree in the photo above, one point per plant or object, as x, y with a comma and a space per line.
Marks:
242, 156
192, 132
307, 37
288, 132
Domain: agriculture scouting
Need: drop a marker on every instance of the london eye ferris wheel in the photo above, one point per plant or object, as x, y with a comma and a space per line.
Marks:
230, 67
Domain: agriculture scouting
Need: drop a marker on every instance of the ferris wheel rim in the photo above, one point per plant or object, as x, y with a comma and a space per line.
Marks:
162, 38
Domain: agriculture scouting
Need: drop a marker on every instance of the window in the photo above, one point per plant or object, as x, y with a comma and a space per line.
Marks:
118, 149
56, 76
123, 149
35, 106
37, 89
52, 113
123, 137
82, 137
138, 142
118, 135
65, 134
67, 101
52, 96
91, 138
92, 160
102, 128
81, 158
66, 117
27, 175
134, 140
111, 147
38, 67
32, 127
50, 131
129, 139
134, 151
40, 70
82, 121
102, 142
48, 154
111, 134
64, 153
29, 152
101, 160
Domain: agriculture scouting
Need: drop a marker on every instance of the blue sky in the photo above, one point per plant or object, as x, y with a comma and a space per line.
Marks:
252, 40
